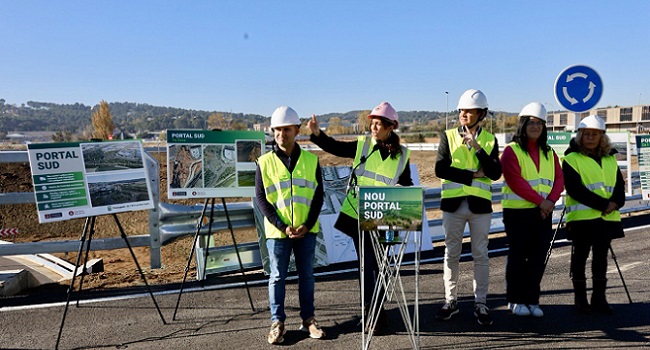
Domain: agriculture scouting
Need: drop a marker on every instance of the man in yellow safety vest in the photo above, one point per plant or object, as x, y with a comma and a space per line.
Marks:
289, 192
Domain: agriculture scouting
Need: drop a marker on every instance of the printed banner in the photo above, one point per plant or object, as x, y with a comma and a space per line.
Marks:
211, 164
390, 208
73, 180
643, 153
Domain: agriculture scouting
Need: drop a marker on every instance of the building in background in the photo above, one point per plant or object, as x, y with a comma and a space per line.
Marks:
635, 119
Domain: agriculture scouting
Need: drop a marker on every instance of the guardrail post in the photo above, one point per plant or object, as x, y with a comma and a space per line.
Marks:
155, 238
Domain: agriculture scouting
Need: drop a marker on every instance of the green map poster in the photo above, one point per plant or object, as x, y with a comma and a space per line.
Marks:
211, 164
559, 141
73, 180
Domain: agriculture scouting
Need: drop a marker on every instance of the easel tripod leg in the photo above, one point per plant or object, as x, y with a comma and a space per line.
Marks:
84, 270
207, 244
189, 258
82, 240
234, 242
135, 260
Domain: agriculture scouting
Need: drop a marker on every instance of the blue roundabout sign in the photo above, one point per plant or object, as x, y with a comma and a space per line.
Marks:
578, 88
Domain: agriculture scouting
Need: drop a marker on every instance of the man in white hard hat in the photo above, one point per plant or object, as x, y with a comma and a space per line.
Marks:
468, 162
289, 192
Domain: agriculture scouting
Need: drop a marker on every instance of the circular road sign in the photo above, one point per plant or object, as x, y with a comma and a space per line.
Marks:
578, 88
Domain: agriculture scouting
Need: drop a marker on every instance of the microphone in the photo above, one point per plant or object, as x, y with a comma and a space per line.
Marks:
352, 181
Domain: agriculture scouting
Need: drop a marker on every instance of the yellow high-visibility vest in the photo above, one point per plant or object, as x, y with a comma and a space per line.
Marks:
541, 181
600, 180
375, 171
291, 193
465, 158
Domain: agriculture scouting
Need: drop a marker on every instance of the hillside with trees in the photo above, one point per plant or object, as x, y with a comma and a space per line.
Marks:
143, 120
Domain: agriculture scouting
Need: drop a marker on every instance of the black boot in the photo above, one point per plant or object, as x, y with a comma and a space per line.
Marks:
580, 301
381, 323
598, 301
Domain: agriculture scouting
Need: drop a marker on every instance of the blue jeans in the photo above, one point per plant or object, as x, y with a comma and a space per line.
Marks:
279, 254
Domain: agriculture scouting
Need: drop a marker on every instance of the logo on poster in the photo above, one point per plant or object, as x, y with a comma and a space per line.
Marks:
53, 215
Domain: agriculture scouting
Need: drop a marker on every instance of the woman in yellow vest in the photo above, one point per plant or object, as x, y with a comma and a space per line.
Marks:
533, 183
289, 192
467, 163
595, 193
379, 160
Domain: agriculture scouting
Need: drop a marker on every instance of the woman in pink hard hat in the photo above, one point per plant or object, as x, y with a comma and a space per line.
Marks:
379, 160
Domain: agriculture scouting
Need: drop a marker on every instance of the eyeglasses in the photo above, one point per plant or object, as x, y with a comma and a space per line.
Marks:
535, 123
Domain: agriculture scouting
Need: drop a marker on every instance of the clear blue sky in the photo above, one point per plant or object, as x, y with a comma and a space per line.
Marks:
318, 56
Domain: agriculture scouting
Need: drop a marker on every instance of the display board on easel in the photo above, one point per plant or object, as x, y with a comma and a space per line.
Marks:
83, 179
210, 164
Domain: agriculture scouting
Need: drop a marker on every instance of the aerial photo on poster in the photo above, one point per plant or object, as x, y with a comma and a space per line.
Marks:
209, 164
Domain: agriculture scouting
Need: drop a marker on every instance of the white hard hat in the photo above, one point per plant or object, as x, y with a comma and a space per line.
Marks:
534, 109
592, 122
284, 116
471, 99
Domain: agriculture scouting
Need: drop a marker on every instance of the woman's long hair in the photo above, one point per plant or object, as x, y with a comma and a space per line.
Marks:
603, 149
392, 143
521, 138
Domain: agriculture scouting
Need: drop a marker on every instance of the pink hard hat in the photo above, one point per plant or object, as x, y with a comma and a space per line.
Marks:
386, 111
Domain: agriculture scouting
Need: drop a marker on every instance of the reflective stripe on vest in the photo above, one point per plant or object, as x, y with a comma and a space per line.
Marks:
290, 193
541, 181
464, 158
375, 171
600, 180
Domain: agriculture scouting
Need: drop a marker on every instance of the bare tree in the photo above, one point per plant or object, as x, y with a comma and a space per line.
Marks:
364, 122
103, 122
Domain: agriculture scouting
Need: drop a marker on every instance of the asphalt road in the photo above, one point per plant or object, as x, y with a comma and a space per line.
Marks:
221, 318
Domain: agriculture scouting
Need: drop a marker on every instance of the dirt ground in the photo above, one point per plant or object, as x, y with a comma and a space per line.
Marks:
119, 269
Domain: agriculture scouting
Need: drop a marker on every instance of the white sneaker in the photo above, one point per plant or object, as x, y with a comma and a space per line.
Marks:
520, 310
535, 310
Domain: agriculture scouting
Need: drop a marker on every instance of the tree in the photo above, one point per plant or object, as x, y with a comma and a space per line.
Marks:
364, 122
103, 122
217, 121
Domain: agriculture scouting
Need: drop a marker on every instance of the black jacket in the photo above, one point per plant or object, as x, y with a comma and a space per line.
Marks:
596, 228
348, 149
490, 164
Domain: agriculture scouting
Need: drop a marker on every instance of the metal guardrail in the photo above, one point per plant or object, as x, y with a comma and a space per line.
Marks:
168, 222
152, 239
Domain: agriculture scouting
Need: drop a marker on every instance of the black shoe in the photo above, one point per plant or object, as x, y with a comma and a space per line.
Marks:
482, 313
601, 305
448, 310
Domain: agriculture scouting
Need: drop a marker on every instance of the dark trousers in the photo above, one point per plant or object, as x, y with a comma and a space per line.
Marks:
529, 238
349, 226
582, 244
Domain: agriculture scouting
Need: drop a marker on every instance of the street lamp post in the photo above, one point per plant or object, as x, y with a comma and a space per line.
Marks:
446, 110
